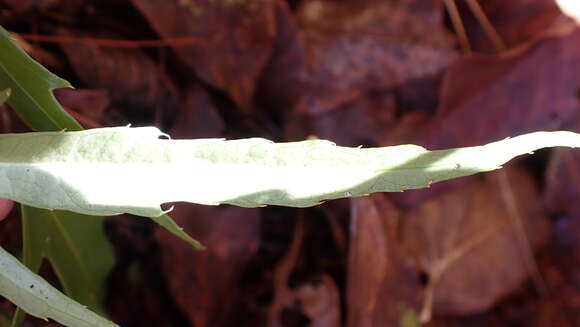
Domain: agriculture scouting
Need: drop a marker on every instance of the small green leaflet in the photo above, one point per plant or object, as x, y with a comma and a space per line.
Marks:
168, 223
37, 297
110, 171
31, 86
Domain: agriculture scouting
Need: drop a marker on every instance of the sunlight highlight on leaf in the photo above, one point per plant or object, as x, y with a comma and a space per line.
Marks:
118, 170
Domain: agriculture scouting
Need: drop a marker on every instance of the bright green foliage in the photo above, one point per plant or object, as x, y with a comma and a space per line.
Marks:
31, 86
83, 275
74, 243
110, 171
32, 293
58, 235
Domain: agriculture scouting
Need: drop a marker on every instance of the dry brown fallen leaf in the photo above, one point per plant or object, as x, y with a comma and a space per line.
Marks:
365, 48
560, 260
236, 39
90, 103
134, 80
205, 284
489, 97
517, 21
357, 47
364, 121
461, 244
283, 79
468, 243
560, 265
198, 117
381, 277
562, 178
561, 197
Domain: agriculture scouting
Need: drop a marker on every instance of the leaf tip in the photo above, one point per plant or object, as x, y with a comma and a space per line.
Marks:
168, 210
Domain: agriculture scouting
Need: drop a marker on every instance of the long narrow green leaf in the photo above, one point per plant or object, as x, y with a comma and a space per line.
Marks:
130, 170
4, 94
37, 297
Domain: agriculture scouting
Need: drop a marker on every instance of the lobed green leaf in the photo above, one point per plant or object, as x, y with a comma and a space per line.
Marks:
74, 243
32, 86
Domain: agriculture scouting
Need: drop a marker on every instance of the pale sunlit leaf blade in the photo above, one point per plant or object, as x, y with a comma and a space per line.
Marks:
130, 170
38, 298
